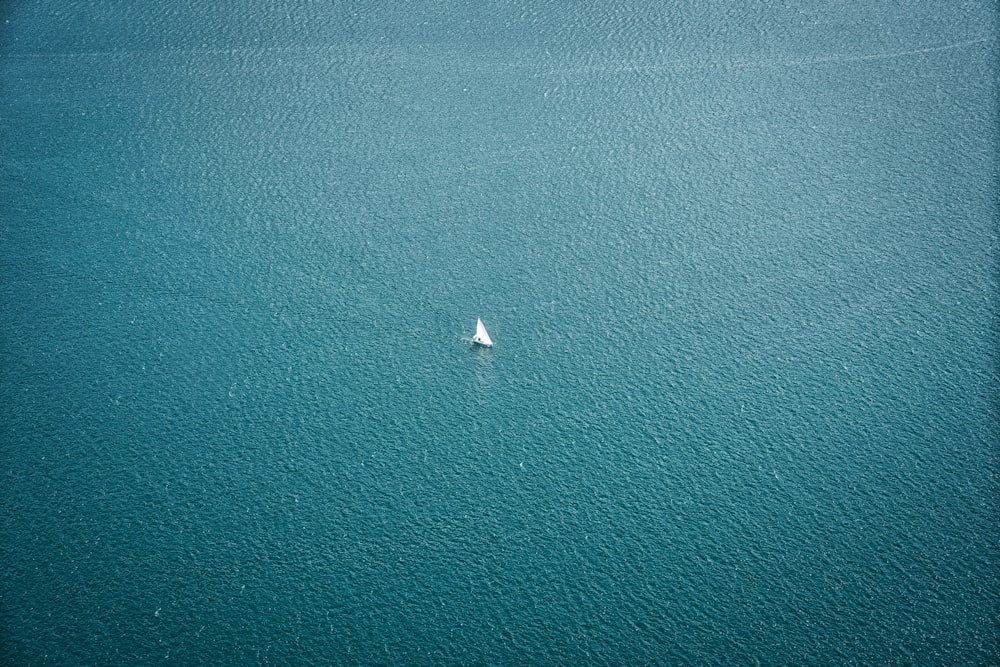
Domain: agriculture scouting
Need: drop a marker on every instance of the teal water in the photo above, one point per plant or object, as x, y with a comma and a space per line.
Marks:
740, 266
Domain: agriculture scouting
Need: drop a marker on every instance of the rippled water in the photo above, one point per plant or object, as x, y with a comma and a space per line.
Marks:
740, 266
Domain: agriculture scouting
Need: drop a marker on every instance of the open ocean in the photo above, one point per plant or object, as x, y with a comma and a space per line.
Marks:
740, 262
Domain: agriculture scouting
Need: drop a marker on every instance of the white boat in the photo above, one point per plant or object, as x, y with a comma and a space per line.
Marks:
481, 337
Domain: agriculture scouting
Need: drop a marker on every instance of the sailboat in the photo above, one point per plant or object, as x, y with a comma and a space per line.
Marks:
481, 337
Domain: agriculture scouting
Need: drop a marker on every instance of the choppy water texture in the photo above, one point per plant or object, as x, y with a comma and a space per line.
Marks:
739, 261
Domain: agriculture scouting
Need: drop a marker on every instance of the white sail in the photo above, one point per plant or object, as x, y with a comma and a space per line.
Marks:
481, 337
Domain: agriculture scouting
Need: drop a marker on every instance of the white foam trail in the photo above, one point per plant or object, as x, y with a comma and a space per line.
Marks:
845, 58
763, 63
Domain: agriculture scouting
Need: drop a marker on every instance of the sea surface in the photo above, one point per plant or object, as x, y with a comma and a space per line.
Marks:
739, 260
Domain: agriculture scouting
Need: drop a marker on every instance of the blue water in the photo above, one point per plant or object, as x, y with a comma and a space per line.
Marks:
739, 261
